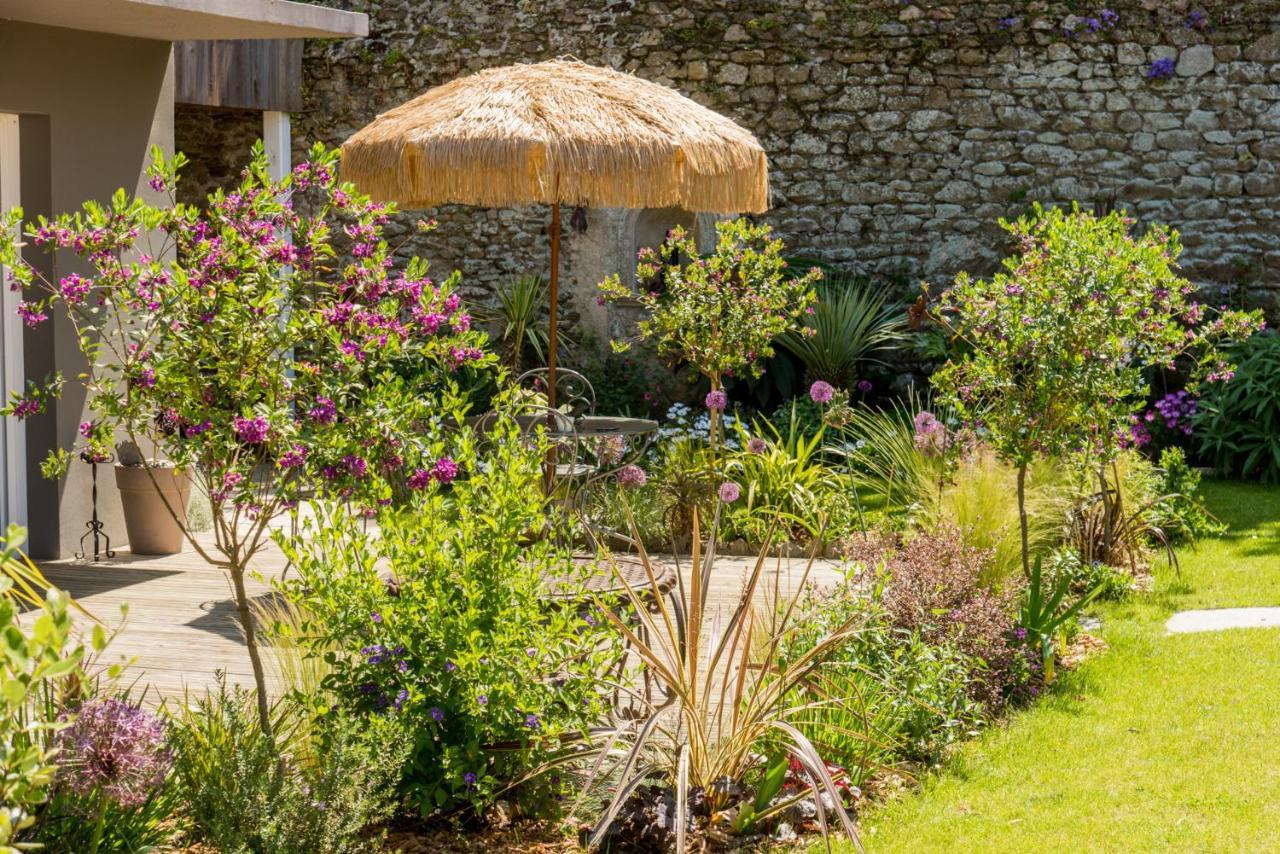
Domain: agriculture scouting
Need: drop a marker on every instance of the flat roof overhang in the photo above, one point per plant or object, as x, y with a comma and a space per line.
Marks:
191, 20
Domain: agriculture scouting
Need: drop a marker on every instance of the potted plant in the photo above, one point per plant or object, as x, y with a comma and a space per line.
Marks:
154, 495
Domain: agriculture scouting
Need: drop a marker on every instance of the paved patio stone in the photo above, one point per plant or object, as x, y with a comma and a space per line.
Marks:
1218, 619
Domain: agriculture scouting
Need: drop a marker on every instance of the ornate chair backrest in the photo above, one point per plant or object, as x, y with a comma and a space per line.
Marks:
574, 393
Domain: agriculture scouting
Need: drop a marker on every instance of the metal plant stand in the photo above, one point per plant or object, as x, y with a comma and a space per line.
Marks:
96, 529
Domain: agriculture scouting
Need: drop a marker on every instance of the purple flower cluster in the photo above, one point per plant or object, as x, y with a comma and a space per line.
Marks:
74, 288
1137, 436
632, 475
114, 748
293, 458
444, 471
729, 492
717, 400
251, 431
1177, 410
230, 481
31, 314
356, 465
1162, 68
323, 412
931, 434
1197, 20
26, 407
821, 392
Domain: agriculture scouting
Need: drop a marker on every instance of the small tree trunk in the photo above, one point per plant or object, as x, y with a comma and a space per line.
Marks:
1108, 514
1022, 519
251, 642
715, 416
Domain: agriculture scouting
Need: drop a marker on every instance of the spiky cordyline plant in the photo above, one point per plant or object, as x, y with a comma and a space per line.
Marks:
851, 323
726, 694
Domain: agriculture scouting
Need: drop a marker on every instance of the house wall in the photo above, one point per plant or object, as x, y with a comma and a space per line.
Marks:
898, 131
98, 102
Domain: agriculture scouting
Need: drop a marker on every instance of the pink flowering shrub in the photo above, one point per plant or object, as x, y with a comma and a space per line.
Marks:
265, 344
1058, 344
933, 586
720, 312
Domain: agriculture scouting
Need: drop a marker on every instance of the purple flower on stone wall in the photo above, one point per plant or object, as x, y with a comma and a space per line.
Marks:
1162, 68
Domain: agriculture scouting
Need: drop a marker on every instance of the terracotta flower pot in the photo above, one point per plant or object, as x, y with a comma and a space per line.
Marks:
148, 522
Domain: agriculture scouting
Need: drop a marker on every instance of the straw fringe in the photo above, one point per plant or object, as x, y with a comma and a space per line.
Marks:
559, 131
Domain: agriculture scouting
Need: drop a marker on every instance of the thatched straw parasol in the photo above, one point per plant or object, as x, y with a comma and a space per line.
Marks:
559, 132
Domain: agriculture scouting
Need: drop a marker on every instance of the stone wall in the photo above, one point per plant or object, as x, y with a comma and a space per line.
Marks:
898, 132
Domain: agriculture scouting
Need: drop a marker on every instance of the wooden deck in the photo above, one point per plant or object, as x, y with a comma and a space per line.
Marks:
182, 628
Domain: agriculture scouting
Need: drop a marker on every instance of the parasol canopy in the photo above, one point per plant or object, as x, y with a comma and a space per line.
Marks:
558, 132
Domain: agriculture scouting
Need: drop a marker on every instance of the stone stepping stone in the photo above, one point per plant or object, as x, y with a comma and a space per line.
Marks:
1217, 619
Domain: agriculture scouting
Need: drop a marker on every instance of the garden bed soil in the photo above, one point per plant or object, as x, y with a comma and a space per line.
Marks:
530, 837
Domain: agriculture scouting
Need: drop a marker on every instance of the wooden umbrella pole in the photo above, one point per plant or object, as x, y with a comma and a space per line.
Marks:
552, 335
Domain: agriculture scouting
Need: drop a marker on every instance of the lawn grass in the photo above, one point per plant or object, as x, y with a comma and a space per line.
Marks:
1163, 743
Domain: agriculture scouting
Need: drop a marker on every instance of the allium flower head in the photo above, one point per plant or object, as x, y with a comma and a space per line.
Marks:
757, 445
864, 386
632, 475
821, 392
931, 434
717, 399
730, 492
115, 748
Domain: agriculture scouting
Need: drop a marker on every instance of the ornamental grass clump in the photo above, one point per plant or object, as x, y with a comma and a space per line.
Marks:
1059, 344
264, 344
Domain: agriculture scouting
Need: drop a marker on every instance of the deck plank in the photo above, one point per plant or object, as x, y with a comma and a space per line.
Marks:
181, 629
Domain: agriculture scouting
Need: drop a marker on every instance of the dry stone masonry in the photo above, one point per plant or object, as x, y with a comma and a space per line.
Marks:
898, 132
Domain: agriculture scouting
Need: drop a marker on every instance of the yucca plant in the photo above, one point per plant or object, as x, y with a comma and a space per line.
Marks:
851, 323
727, 698
521, 311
